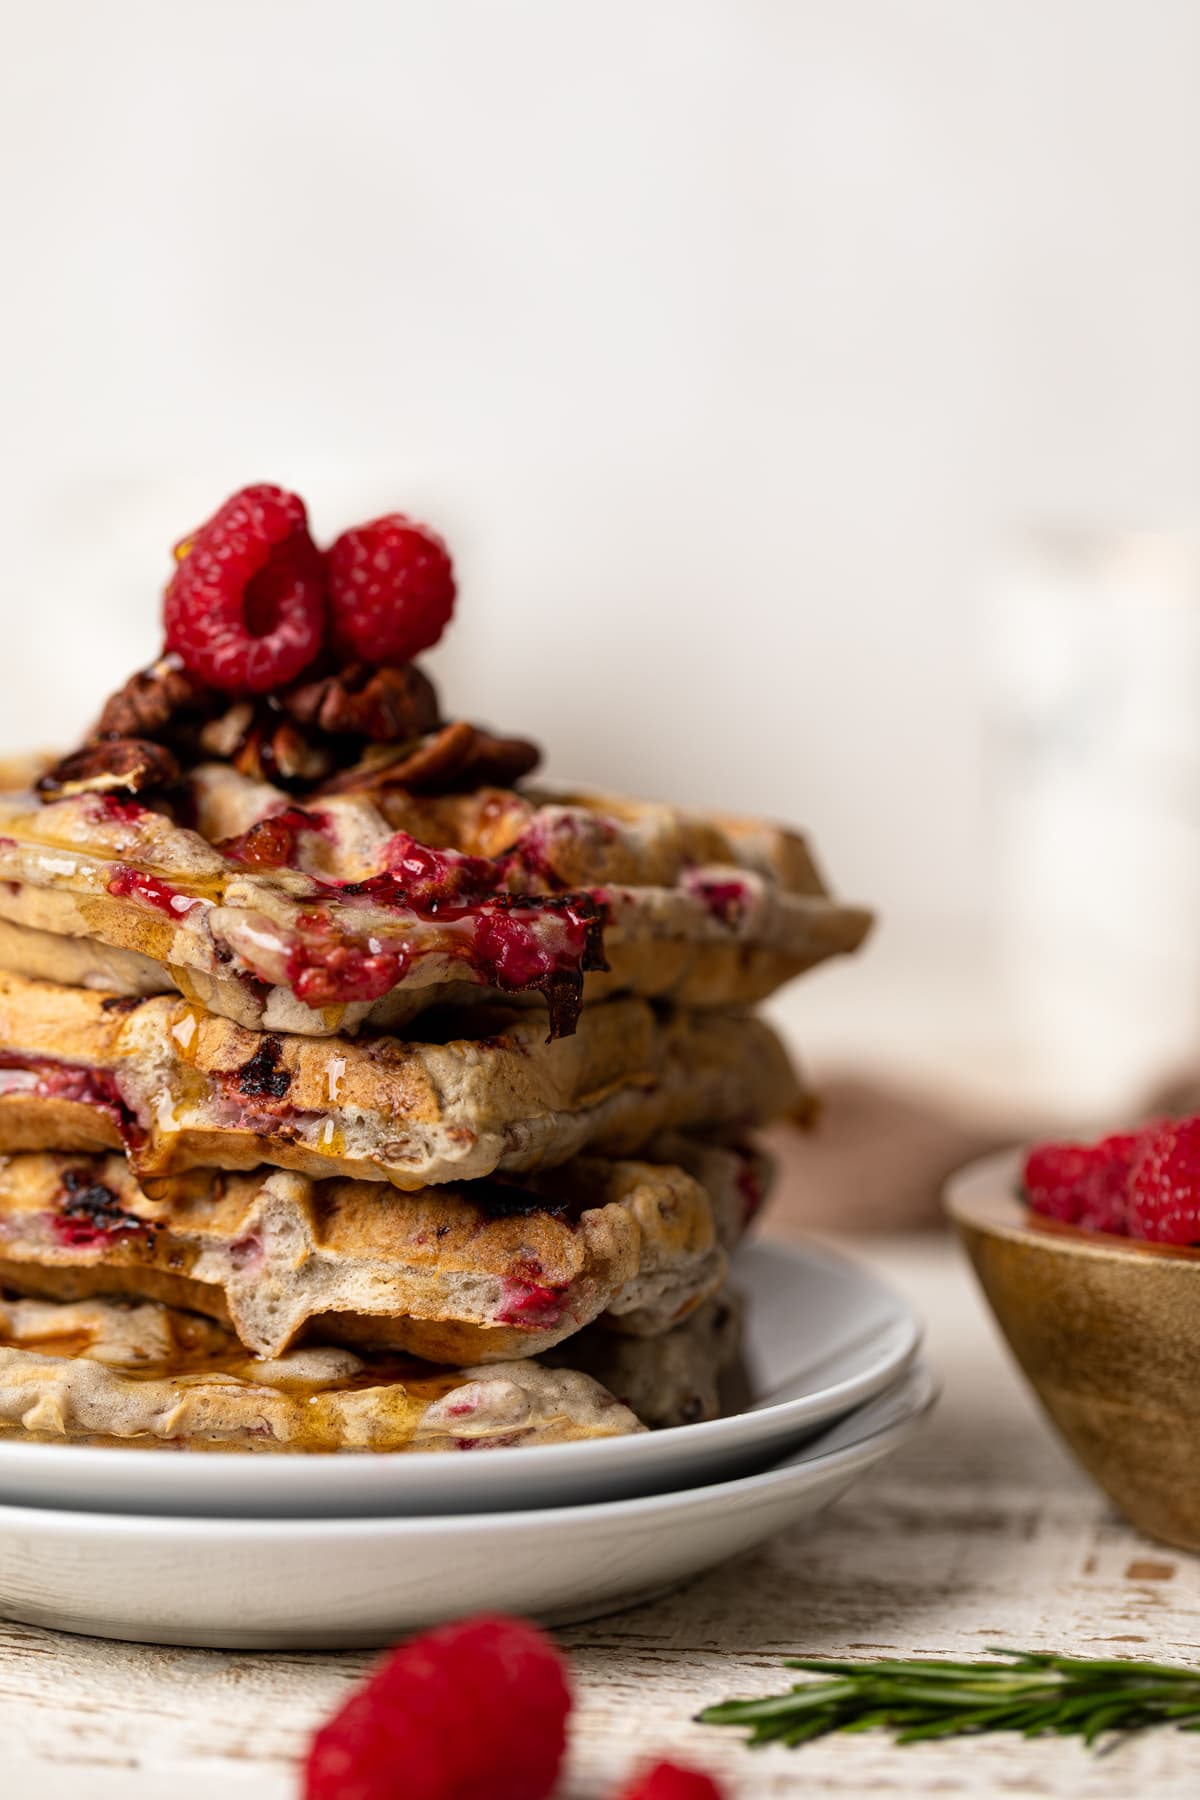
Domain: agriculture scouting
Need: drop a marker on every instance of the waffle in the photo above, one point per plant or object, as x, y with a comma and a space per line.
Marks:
669, 1380
329, 1040
305, 917
103, 1371
469, 1274
179, 1088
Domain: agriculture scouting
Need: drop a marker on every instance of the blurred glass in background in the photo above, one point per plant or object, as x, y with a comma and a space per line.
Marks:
1093, 769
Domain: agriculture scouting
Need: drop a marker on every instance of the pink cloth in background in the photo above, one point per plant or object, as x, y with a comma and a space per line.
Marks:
874, 1160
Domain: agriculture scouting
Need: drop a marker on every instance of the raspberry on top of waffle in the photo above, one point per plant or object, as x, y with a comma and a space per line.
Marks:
276, 820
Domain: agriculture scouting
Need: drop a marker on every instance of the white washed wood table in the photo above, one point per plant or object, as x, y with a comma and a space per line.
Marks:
980, 1532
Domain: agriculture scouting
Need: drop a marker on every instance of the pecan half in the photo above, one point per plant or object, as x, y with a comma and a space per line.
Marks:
435, 759
277, 751
455, 759
116, 766
388, 706
263, 746
151, 700
493, 762
225, 735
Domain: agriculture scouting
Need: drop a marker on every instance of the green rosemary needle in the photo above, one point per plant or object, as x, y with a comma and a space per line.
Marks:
917, 1698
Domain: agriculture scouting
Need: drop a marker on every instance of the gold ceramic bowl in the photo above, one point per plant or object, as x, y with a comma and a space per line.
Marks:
1108, 1332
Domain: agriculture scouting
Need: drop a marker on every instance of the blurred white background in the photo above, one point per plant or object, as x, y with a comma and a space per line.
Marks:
730, 342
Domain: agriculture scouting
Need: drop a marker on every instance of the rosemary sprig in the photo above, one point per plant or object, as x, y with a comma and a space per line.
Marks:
917, 1698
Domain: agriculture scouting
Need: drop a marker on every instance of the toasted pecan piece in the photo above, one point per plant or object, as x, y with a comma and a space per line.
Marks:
458, 757
280, 751
151, 700
387, 706
116, 766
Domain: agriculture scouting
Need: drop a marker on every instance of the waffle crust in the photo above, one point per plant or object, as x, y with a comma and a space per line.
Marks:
101, 1371
701, 911
459, 1275
180, 1088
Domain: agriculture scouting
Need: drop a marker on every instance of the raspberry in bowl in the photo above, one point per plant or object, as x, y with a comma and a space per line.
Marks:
1089, 1255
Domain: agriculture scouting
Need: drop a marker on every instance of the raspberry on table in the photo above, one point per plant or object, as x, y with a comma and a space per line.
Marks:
471, 1711
670, 1781
391, 590
1164, 1191
245, 608
1083, 1184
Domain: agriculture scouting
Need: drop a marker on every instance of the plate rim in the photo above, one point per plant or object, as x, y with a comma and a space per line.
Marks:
916, 1390
825, 1405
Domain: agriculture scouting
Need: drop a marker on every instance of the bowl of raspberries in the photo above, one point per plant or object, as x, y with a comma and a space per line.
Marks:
1089, 1255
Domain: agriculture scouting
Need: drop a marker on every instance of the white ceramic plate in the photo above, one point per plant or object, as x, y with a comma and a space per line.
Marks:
337, 1583
822, 1337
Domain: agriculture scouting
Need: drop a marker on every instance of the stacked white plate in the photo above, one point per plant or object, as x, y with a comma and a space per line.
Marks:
275, 1552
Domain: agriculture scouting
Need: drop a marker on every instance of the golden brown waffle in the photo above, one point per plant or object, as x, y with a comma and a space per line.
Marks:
103, 1371
179, 1088
670, 1380
470, 1274
286, 917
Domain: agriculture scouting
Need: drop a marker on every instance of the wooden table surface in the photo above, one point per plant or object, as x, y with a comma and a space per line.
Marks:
979, 1532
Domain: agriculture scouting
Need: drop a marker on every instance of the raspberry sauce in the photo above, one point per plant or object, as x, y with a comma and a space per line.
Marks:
123, 810
273, 843
541, 942
90, 1216
151, 890
49, 1080
530, 1304
725, 899
327, 969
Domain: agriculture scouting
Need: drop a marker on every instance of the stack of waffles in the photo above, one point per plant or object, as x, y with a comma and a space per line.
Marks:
357, 1093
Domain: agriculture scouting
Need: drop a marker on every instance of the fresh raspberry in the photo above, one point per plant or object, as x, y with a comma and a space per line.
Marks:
1164, 1191
245, 608
668, 1781
1083, 1184
473, 1711
1105, 1204
391, 590
1053, 1178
